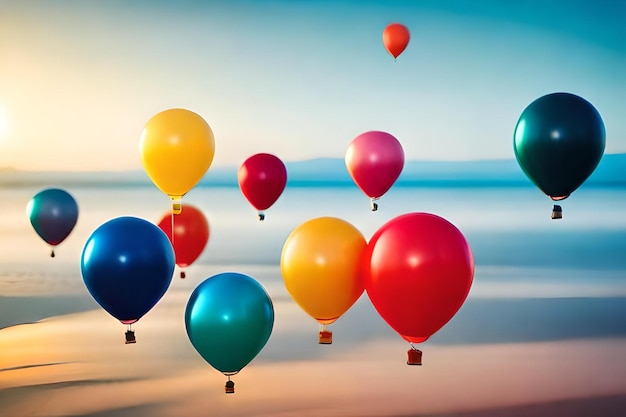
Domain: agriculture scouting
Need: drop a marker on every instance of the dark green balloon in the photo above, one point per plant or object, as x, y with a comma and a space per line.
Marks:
229, 318
559, 140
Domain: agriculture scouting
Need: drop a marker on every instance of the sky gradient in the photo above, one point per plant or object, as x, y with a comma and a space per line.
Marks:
300, 79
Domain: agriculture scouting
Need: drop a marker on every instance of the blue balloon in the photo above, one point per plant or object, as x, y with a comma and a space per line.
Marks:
229, 319
53, 213
127, 265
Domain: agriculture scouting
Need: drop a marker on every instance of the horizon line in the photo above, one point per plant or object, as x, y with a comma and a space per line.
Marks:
9, 169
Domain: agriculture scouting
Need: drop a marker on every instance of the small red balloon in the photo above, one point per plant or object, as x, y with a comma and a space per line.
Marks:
418, 272
396, 38
262, 179
191, 234
374, 160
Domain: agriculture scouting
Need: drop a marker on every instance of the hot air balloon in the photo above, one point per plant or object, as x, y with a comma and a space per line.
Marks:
176, 148
229, 318
374, 160
262, 179
191, 234
418, 272
53, 213
321, 268
396, 37
127, 265
558, 142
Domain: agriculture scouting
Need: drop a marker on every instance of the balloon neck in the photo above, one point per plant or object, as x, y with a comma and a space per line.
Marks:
326, 322
373, 204
177, 204
559, 198
414, 356
261, 216
325, 336
557, 212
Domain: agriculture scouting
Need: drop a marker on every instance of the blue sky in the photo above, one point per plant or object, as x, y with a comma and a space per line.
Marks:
300, 79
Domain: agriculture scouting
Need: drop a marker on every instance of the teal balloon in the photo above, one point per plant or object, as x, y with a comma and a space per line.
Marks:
53, 213
229, 319
559, 141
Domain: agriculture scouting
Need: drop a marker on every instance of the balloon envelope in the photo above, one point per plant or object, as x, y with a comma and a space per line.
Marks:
127, 265
229, 319
53, 214
321, 267
419, 270
374, 160
396, 37
262, 179
559, 140
191, 234
177, 148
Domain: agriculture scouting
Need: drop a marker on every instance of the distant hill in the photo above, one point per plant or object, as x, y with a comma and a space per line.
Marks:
332, 172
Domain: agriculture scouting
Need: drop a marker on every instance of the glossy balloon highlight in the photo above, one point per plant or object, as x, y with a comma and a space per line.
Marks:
396, 38
53, 213
558, 142
127, 265
176, 148
321, 267
262, 179
419, 270
191, 234
229, 318
374, 160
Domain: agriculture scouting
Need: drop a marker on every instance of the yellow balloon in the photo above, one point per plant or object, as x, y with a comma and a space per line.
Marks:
321, 267
177, 148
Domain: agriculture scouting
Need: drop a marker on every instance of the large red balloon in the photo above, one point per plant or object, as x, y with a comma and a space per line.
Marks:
191, 234
418, 272
374, 160
396, 38
262, 179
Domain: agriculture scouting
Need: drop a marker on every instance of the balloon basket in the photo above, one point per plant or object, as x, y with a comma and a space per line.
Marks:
177, 205
182, 274
229, 388
374, 205
261, 216
325, 337
414, 357
130, 337
557, 212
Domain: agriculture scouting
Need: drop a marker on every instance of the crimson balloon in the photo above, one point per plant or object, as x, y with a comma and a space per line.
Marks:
396, 37
262, 179
374, 160
418, 272
191, 234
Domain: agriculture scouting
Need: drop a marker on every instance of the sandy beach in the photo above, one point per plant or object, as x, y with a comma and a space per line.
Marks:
541, 333
76, 364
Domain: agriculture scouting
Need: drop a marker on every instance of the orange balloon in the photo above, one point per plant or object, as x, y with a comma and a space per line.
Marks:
396, 38
321, 266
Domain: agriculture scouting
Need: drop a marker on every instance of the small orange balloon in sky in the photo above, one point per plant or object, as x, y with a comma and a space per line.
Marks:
396, 37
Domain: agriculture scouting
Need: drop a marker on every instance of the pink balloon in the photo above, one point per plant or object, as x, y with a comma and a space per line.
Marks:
375, 160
